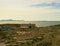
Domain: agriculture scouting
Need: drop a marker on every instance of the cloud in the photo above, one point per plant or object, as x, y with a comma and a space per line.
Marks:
50, 4
21, 9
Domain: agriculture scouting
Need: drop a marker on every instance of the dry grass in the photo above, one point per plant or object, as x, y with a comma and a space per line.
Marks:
39, 36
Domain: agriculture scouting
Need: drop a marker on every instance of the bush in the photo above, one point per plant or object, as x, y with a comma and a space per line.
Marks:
45, 44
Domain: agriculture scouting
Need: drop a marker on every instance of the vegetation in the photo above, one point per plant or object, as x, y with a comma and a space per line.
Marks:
39, 36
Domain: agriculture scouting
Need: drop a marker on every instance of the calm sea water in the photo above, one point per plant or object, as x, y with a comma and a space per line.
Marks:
38, 23
46, 23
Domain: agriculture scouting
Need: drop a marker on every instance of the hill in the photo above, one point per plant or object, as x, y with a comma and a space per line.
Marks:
39, 36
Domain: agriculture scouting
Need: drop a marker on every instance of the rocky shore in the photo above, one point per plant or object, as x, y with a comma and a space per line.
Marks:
38, 36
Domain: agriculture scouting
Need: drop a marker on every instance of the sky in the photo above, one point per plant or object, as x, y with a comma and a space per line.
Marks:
30, 10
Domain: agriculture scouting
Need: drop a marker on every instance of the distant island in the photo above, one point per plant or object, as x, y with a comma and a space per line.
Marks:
11, 20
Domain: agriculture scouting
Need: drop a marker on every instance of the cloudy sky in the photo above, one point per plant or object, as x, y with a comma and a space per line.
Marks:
30, 10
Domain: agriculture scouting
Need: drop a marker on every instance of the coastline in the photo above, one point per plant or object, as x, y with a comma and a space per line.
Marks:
49, 35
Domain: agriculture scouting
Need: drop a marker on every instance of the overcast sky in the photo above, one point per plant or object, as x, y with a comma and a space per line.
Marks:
30, 9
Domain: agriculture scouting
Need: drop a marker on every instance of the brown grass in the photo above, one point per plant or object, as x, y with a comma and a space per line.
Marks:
39, 36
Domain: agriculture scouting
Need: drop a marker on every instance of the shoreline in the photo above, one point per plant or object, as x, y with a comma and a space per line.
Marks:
37, 36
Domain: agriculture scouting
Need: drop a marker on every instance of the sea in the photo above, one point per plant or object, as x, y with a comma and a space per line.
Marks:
38, 23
